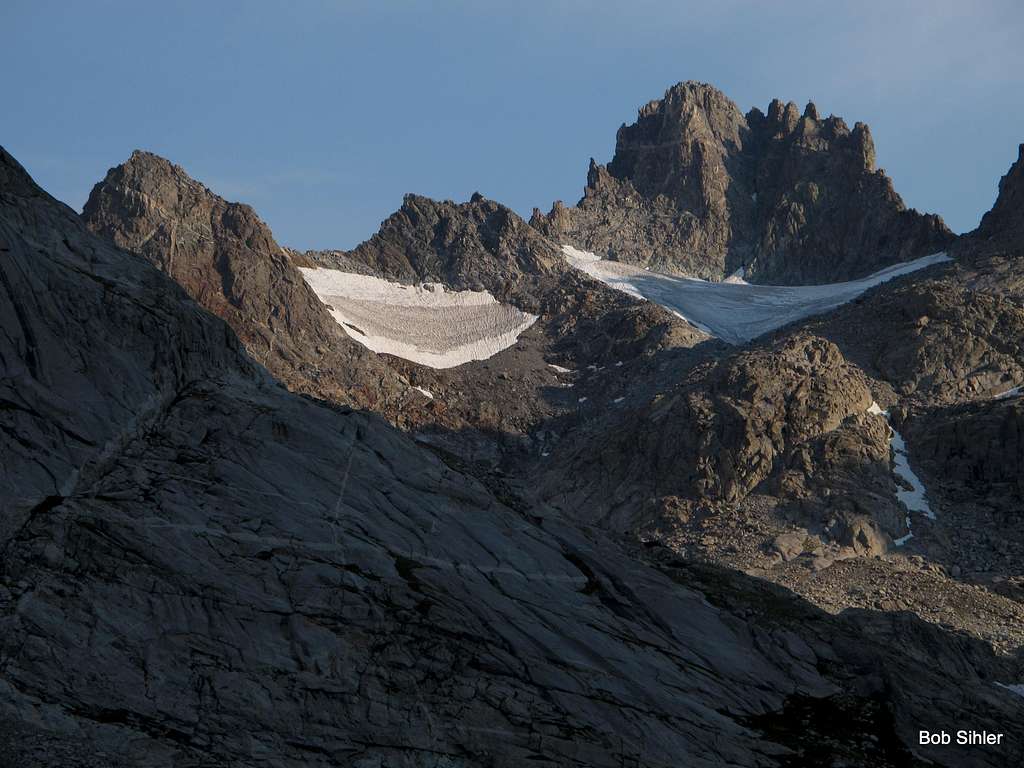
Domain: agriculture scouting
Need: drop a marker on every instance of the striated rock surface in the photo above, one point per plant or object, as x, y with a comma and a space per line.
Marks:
201, 568
212, 569
698, 188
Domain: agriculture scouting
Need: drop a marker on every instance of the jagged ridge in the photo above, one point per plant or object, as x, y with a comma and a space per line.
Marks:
698, 188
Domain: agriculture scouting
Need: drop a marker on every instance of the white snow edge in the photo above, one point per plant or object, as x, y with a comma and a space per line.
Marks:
734, 310
425, 324
915, 499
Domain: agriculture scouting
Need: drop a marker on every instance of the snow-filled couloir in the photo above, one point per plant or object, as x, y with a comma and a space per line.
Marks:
734, 311
425, 324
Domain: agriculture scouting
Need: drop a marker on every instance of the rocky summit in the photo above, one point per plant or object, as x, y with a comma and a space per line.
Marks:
227, 260
252, 514
789, 197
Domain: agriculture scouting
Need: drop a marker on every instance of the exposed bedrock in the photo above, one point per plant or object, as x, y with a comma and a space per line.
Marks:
935, 341
200, 567
1004, 224
698, 188
977, 449
226, 258
790, 419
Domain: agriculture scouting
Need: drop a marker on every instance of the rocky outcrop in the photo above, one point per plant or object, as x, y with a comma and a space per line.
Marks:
771, 415
697, 188
934, 341
226, 258
482, 245
953, 334
1005, 222
477, 245
200, 567
971, 457
976, 448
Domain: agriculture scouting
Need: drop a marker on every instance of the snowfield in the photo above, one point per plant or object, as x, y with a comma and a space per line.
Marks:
424, 324
913, 498
734, 311
909, 489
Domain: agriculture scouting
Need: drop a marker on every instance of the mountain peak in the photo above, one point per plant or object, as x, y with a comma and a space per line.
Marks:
12, 175
698, 188
1007, 215
227, 259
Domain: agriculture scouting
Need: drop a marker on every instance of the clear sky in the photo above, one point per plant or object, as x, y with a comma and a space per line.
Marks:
323, 113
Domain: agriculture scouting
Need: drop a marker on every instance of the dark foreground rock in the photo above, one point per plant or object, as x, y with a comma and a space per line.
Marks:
201, 568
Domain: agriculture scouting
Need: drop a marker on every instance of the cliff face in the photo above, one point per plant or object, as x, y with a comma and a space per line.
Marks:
698, 188
1005, 222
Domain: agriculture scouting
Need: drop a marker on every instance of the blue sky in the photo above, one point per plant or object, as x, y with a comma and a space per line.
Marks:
323, 113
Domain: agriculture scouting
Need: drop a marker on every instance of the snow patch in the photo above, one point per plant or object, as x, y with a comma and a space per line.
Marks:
914, 500
425, 324
734, 311
618, 399
1008, 394
558, 368
736, 278
424, 392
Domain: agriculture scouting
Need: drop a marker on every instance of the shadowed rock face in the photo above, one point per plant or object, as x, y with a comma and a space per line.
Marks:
199, 567
978, 449
1005, 222
197, 563
697, 188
